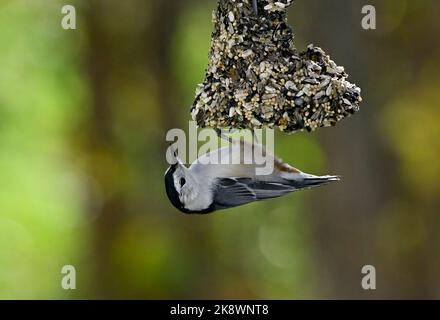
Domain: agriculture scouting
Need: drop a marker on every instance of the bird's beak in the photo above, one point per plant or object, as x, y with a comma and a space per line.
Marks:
172, 156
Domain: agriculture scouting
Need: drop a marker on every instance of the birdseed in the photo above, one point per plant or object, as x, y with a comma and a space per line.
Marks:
256, 77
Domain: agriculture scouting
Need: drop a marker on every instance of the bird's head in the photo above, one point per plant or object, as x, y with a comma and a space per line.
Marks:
181, 187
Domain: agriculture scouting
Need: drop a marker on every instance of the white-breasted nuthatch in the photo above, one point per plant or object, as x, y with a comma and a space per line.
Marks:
205, 187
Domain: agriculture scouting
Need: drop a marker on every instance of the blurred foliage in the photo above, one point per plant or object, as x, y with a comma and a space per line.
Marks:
415, 147
41, 198
82, 120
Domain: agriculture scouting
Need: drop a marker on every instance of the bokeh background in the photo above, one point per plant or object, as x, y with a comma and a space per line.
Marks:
83, 117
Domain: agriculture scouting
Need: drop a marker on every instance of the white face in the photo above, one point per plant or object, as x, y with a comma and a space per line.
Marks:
193, 194
180, 181
185, 186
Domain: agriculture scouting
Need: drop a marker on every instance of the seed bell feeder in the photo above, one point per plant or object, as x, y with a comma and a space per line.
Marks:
257, 78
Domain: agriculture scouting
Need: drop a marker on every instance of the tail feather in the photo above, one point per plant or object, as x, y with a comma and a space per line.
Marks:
309, 181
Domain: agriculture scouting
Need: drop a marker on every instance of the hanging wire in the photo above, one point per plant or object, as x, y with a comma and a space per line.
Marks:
255, 5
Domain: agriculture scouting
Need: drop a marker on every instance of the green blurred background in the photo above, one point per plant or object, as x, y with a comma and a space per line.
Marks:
83, 117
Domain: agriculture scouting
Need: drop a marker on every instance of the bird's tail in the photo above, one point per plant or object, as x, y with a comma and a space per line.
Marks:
310, 181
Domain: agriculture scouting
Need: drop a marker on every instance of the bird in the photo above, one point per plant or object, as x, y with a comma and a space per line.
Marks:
208, 186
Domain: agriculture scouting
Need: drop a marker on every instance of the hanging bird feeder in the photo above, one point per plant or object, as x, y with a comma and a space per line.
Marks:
256, 77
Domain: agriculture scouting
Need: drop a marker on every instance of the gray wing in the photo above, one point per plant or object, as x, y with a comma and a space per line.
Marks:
232, 192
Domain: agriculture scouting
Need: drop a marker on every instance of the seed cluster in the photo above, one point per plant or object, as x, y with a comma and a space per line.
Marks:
256, 77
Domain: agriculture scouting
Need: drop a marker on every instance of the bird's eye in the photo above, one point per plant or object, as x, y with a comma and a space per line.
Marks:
182, 182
